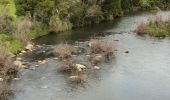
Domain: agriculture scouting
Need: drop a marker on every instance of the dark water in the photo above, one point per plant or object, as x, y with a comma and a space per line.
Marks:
143, 74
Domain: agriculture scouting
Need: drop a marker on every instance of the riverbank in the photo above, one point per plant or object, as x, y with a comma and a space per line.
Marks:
157, 25
48, 16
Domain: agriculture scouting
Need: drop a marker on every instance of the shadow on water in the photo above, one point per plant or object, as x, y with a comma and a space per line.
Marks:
142, 74
119, 25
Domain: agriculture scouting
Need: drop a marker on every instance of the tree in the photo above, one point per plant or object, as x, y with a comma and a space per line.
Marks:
112, 8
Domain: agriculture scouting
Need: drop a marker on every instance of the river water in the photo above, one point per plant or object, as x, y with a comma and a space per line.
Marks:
142, 74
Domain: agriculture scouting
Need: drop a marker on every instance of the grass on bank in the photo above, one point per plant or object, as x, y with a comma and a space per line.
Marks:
157, 26
10, 44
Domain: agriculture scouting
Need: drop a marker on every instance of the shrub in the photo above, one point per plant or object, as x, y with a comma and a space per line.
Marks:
7, 68
59, 25
141, 28
68, 66
100, 49
94, 14
22, 29
112, 8
63, 51
96, 46
109, 49
7, 17
5, 91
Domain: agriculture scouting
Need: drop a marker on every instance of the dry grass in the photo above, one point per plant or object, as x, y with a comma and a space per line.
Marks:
96, 46
100, 49
68, 66
109, 49
7, 69
95, 59
5, 91
22, 30
141, 28
157, 25
63, 51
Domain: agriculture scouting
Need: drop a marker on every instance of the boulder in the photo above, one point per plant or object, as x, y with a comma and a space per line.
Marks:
78, 79
19, 64
16, 79
75, 79
87, 55
80, 67
98, 56
23, 51
18, 59
29, 47
89, 44
126, 51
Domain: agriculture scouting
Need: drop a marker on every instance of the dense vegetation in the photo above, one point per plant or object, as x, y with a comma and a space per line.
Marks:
22, 20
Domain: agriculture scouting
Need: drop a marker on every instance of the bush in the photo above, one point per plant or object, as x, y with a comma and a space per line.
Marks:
63, 51
96, 46
5, 90
7, 68
112, 8
23, 28
68, 66
59, 25
94, 14
40, 10
141, 28
7, 16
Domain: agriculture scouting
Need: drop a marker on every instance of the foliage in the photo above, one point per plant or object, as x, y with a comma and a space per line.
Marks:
126, 5
59, 25
38, 9
112, 8
7, 16
10, 43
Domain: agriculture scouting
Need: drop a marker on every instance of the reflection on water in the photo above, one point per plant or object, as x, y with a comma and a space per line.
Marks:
119, 25
143, 74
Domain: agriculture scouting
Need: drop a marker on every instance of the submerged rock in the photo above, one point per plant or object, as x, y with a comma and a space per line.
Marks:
55, 58
126, 51
96, 67
1, 79
18, 59
77, 79
36, 65
16, 79
80, 67
23, 51
43, 78
87, 55
29, 47
44, 87
42, 62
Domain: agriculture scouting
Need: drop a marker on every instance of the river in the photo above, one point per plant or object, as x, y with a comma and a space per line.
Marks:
142, 74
